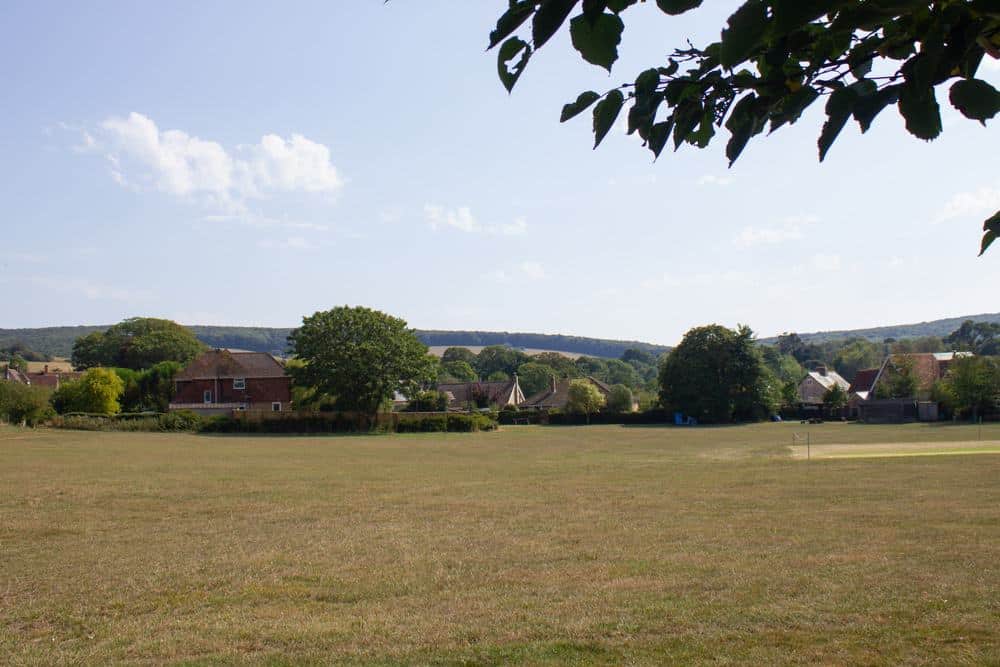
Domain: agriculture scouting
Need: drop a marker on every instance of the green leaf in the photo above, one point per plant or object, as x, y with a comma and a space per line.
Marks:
597, 40
791, 15
744, 33
976, 99
838, 111
920, 110
658, 135
740, 124
686, 117
992, 229
550, 15
674, 7
511, 20
605, 114
868, 107
510, 49
583, 101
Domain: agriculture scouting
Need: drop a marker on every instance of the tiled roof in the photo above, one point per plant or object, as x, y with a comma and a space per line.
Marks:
14, 375
864, 379
556, 395
463, 392
829, 379
226, 364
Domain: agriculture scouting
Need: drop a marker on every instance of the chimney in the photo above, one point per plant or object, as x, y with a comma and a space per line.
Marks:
45, 371
553, 385
821, 370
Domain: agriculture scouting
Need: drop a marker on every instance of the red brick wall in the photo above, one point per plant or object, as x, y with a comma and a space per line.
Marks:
262, 391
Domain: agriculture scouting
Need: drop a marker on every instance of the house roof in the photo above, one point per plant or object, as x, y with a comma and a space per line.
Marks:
864, 380
50, 379
829, 379
557, 394
463, 392
14, 375
226, 364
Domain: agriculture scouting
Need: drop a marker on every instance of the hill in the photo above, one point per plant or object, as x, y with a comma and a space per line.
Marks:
58, 341
940, 328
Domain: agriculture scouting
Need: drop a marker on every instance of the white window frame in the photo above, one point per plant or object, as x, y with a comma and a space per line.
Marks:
239, 383
276, 406
206, 396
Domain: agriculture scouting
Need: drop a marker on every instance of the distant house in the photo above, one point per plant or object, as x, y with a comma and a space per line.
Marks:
42, 378
926, 368
557, 394
220, 381
814, 386
482, 394
14, 375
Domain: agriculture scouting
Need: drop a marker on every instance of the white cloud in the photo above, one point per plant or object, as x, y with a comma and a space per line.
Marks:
142, 155
790, 229
461, 218
975, 203
711, 179
826, 262
533, 270
290, 243
526, 271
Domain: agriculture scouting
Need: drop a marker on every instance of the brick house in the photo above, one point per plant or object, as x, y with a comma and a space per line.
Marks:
816, 383
220, 381
557, 394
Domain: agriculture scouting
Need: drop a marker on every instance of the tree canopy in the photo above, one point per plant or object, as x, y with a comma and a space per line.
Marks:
137, 343
359, 356
583, 398
773, 60
717, 375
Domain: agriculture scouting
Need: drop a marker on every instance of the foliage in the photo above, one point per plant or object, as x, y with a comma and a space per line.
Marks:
96, 391
917, 345
717, 375
976, 337
619, 399
457, 371
428, 401
535, 377
584, 398
19, 352
498, 359
773, 60
563, 366
21, 403
857, 355
973, 383
497, 376
136, 343
591, 366
898, 380
784, 366
463, 354
835, 397
359, 355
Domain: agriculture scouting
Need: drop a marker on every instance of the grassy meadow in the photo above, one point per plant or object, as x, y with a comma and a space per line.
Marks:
592, 545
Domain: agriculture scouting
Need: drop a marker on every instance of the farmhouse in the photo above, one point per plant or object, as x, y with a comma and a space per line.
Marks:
42, 378
814, 386
557, 394
220, 381
482, 394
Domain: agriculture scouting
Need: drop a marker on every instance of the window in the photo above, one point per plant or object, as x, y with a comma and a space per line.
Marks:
207, 396
275, 407
239, 383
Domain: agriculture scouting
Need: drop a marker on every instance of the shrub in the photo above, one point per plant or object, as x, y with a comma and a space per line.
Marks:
431, 424
184, 420
24, 404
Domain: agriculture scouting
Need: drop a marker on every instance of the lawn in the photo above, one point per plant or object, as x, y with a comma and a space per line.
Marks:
599, 545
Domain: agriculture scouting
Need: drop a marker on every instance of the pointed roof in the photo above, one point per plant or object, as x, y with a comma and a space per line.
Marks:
225, 364
557, 394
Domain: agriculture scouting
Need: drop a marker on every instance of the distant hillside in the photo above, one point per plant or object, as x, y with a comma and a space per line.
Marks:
898, 331
58, 341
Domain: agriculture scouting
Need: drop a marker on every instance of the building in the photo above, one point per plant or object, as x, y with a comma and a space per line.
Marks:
14, 375
815, 385
557, 394
925, 369
41, 378
472, 395
220, 381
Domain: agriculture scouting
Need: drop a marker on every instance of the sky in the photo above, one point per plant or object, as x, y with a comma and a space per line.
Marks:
251, 163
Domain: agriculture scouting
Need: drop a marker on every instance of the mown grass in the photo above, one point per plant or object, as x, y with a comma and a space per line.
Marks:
599, 545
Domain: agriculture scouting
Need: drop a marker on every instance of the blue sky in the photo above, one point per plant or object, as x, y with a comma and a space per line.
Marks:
251, 163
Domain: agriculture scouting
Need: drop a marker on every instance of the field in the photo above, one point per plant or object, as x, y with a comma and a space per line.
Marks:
438, 350
600, 545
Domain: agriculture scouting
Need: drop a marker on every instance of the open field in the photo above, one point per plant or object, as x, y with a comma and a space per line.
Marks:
438, 350
599, 545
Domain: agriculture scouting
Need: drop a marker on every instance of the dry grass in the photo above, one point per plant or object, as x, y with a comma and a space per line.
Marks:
438, 350
597, 545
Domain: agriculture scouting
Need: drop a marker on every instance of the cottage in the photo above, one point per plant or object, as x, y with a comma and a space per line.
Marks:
470, 395
880, 404
815, 385
13, 375
557, 394
220, 381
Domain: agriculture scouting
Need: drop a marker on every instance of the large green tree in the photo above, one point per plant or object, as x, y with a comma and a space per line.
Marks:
534, 377
584, 398
717, 375
494, 359
773, 60
97, 391
974, 384
137, 343
360, 356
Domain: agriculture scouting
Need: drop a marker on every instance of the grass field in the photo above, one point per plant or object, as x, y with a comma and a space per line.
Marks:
600, 545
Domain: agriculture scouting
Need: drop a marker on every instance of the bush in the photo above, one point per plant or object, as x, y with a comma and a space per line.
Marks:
24, 404
431, 424
183, 420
